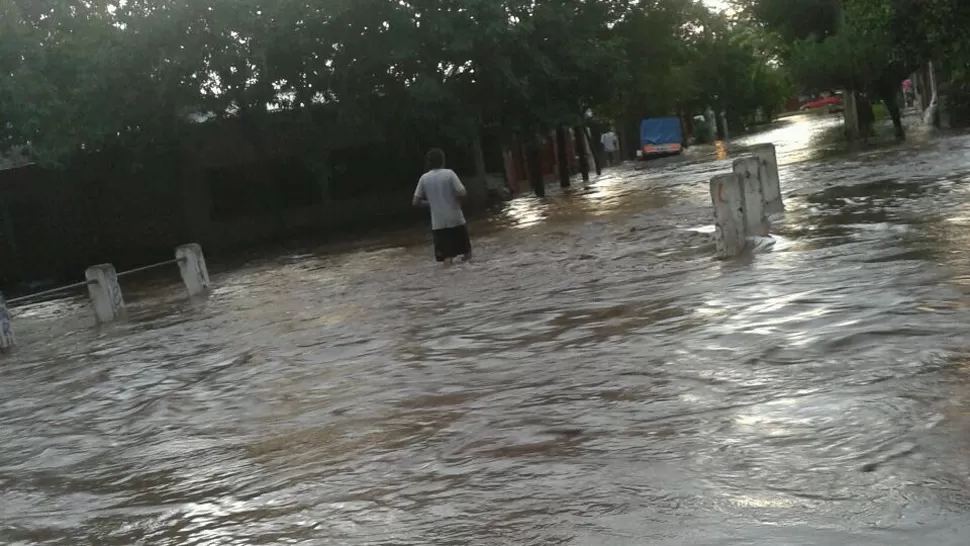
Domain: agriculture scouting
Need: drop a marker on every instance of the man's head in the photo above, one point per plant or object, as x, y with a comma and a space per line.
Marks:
435, 158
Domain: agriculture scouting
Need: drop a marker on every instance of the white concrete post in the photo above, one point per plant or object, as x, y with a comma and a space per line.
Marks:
750, 170
109, 304
727, 194
194, 272
771, 183
7, 340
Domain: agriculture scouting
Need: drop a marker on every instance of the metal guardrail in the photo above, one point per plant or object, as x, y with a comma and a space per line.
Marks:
53, 291
107, 300
45, 293
150, 267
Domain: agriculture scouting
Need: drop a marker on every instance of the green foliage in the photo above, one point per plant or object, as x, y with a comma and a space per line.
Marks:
680, 58
938, 29
869, 44
795, 19
131, 75
874, 45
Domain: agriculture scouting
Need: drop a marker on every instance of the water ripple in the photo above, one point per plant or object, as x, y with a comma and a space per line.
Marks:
594, 378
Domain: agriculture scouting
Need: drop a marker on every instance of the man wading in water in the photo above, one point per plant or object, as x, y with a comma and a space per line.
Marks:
441, 191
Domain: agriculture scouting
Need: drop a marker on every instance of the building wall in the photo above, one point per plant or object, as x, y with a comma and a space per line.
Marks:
218, 189
38, 215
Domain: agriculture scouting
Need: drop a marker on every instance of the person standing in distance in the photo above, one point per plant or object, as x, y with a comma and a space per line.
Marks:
610, 144
441, 190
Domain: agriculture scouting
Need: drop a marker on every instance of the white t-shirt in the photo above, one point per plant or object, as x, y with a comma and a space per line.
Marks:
609, 141
441, 188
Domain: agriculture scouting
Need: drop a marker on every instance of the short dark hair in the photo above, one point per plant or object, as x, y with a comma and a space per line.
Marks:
435, 158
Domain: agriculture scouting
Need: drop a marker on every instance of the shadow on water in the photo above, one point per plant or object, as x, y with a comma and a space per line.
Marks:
877, 191
594, 377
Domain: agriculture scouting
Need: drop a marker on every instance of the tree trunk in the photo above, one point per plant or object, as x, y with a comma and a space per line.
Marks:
478, 192
851, 112
686, 129
711, 119
919, 83
893, 106
725, 126
583, 158
534, 159
594, 150
561, 156
621, 145
866, 116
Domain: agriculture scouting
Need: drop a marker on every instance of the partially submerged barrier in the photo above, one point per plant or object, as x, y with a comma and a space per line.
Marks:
749, 170
771, 183
728, 197
102, 282
744, 199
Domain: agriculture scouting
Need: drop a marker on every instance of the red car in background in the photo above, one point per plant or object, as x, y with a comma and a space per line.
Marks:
831, 104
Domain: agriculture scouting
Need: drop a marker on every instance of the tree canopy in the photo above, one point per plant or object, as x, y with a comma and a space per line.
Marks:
134, 73
865, 45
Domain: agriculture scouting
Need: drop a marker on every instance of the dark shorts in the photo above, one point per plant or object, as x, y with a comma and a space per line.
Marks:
451, 243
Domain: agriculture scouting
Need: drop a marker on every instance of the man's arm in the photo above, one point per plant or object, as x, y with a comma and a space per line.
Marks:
419, 199
460, 191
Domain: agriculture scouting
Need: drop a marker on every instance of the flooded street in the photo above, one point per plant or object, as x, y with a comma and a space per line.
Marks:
594, 378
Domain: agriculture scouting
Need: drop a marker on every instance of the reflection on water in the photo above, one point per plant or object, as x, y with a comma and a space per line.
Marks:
595, 378
720, 150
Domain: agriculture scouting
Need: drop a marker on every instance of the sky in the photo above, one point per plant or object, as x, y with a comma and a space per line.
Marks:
716, 4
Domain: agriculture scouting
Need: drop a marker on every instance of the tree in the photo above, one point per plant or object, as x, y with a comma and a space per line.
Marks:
795, 19
680, 58
130, 76
860, 45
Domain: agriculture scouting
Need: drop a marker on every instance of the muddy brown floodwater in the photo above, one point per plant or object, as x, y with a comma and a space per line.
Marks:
595, 378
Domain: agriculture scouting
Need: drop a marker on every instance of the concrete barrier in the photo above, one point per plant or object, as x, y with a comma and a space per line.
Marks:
102, 282
750, 170
193, 269
770, 182
7, 340
727, 194
105, 291
742, 201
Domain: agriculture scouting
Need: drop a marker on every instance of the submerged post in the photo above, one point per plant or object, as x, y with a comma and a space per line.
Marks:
7, 340
109, 304
750, 170
771, 183
194, 272
727, 194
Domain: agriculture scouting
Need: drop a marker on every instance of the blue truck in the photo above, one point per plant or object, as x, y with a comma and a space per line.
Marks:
660, 137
